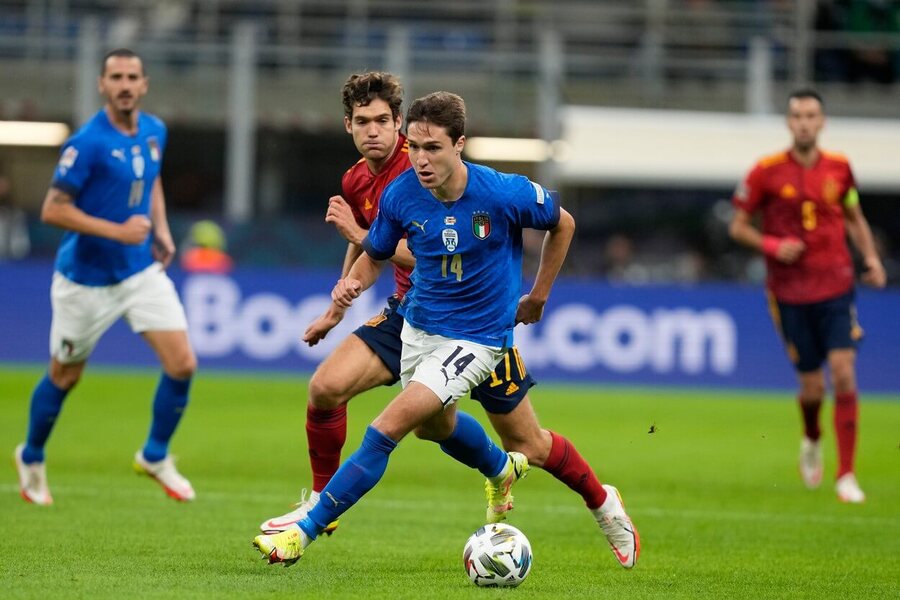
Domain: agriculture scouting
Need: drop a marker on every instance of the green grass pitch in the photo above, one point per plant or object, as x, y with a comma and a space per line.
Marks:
713, 490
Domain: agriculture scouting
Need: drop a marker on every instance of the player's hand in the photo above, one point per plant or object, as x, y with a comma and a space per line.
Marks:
135, 230
319, 328
789, 250
163, 250
530, 310
346, 291
874, 274
341, 216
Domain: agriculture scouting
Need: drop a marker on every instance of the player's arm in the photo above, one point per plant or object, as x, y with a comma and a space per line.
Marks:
341, 216
861, 235
362, 275
163, 245
402, 256
60, 211
784, 249
379, 244
353, 252
319, 328
553, 253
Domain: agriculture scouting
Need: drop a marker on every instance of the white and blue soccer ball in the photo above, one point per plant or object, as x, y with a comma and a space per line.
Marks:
497, 555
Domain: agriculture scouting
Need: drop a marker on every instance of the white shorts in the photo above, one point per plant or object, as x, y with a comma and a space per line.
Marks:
449, 368
83, 313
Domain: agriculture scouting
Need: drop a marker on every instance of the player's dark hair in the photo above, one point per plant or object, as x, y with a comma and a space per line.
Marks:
444, 109
807, 93
361, 88
120, 53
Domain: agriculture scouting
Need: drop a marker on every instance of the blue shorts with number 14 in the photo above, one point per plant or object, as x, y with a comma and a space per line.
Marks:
499, 394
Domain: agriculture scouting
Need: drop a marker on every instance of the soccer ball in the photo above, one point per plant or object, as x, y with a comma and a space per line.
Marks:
497, 555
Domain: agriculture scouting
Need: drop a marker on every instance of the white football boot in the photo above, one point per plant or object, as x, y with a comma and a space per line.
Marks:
622, 535
811, 462
166, 475
301, 509
848, 489
32, 480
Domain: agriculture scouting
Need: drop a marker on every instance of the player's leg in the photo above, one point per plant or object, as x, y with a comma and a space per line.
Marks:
465, 364
428, 390
80, 316
810, 398
367, 359
504, 397
171, 397
806, 351
155, 312
436, 372
461, 437
842, 334
351, 369
356, 476
520, 431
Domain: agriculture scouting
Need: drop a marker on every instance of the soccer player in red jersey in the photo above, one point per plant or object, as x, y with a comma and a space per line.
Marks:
809, 204
370, 357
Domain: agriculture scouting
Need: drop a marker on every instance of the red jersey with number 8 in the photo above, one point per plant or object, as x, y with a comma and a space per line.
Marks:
805, 203
362, 190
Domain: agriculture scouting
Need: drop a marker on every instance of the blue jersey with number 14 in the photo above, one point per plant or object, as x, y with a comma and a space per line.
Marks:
468, 275
110, 175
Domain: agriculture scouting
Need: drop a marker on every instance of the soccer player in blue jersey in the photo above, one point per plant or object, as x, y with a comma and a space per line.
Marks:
463, 224
106, 193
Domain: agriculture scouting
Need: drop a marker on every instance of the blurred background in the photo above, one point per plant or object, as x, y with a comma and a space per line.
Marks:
250, 90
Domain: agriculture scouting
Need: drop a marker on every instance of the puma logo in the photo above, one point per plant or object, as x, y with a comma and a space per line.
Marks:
420, 225
447, 377
333, 499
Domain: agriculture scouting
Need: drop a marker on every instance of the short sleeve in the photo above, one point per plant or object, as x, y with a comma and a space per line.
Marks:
534, 207
749, 193
74, 165
386, 230
851, 178
349, 197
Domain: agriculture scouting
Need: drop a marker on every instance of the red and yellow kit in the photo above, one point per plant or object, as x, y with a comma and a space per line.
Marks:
805, 203
362, 191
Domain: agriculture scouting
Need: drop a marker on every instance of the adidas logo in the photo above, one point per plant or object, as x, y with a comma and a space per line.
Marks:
512, 389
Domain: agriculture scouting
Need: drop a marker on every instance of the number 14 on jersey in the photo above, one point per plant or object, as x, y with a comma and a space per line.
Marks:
455, 261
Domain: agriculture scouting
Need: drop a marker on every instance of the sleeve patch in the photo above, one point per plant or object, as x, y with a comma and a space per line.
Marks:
852, 198
539, 192
741, 193
68, 158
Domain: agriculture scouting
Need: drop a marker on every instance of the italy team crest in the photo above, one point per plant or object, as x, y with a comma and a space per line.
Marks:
481, 225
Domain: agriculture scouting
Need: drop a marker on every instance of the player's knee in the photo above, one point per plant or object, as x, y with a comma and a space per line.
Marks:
325, 393
843, 380
812, 389
65, 376
434, 432
183, 367
65, 379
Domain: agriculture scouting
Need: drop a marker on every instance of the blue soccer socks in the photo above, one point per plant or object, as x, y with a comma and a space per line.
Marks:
470, 444
357, 475
46, 403
168, 407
